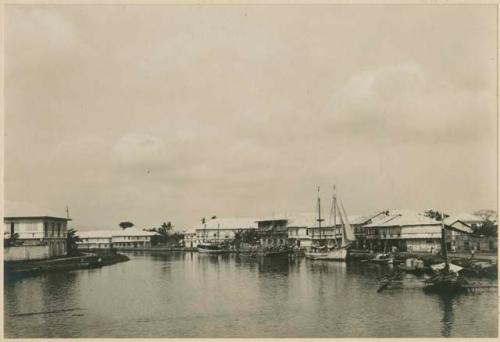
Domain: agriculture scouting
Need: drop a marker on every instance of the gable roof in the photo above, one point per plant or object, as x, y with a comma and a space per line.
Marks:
309, 220
465, 228
464, 218
403, 218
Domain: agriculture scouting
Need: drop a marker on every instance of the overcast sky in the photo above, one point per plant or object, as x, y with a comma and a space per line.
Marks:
173, 113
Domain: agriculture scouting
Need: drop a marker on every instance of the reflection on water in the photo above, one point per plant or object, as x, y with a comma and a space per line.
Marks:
190, 295
448, 318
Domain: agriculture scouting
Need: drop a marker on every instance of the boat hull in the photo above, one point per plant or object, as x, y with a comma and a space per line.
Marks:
382, 261
335, 254
209, 249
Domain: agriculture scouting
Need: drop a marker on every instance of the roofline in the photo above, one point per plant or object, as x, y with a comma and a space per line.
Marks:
404, 225
462, 222
271, 220
36, 218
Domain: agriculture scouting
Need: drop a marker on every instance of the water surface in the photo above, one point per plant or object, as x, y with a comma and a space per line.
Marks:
180, 294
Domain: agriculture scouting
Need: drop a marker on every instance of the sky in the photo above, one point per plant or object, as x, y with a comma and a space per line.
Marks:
173, 113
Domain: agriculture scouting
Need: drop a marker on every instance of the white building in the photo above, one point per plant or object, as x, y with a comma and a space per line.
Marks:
126, 238
217, 230
38, 237
464, 221
303, 230
406, 230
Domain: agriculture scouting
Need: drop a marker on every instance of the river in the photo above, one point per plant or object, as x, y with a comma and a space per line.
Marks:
180, 294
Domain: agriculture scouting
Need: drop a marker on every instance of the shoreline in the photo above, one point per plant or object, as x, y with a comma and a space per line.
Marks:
17, 269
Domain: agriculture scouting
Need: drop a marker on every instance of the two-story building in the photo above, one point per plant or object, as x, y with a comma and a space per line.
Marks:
217, 230
464, 220
273, 232
304, 231
119, 239
406, 230
37, 237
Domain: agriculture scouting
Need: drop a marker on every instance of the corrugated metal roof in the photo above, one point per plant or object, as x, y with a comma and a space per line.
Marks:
229, 223
403, 218
309, 220
464, 217
465, 229
132, 232
94, 234
110, 233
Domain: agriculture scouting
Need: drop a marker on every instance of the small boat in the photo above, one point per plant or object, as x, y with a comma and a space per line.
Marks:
446, 281
414, 270
332, 252
446, 278
415, 266
382, 258
339, 254
210, 248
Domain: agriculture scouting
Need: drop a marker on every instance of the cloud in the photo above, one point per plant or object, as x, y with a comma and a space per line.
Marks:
402, 104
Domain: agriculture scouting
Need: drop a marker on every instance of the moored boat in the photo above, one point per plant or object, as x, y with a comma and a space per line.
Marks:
446, 278
382, 258
339, 254
210, 248
335, 253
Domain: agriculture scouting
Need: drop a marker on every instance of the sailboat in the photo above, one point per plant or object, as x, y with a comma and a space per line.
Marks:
334, 252
208, 247
447, 278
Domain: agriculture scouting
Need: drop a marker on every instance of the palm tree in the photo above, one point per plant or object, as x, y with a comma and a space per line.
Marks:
71, 241
11, 240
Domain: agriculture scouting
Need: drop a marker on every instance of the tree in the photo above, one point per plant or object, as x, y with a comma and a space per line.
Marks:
167, 227
126, 224
436, 215
247, 236
489, 227
71, 242
11, 241
487, 214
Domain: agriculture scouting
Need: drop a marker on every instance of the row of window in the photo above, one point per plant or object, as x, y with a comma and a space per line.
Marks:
53, 229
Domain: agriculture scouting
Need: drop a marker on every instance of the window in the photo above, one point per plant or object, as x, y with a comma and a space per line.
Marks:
307, 231
12, 232
45, 229
58, 230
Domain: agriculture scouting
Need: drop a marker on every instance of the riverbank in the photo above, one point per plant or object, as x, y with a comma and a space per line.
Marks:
15, 269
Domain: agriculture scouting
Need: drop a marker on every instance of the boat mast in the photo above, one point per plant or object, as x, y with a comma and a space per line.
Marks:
204, 230
334, 215
319, 215
342, 231
444, 252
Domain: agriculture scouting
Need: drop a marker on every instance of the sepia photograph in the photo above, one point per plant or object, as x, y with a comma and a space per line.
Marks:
250, 170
